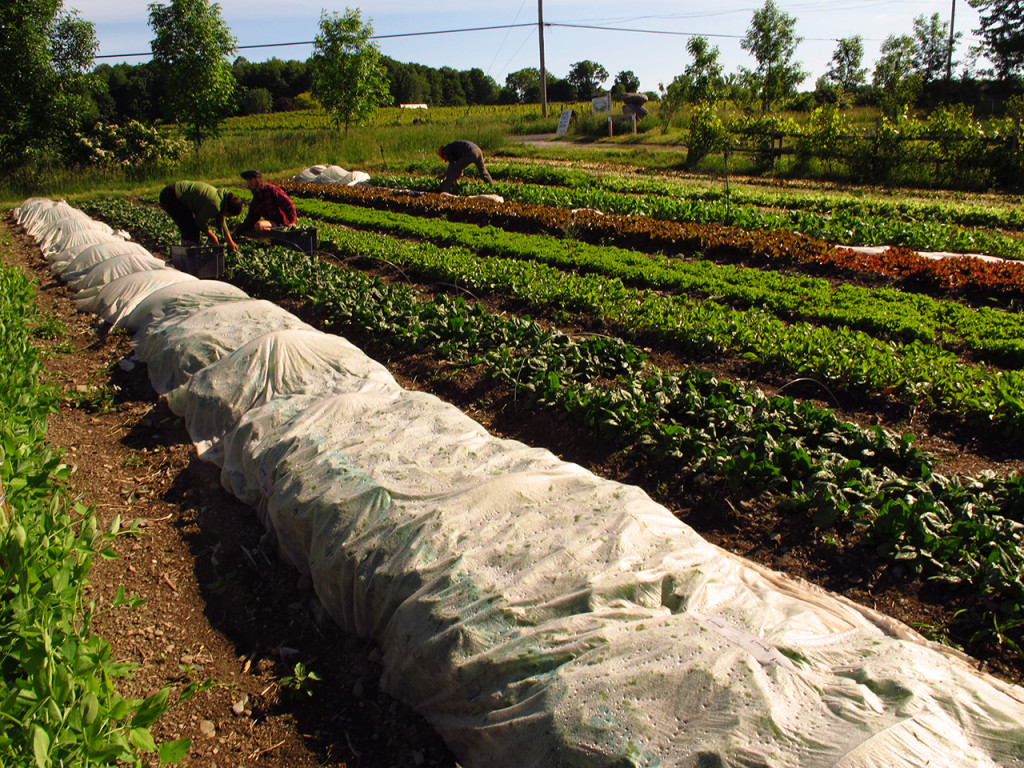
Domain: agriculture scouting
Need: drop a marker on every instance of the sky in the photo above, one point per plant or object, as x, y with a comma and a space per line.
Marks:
649, 36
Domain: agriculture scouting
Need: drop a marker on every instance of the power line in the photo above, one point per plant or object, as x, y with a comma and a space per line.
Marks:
485, 29
313, 42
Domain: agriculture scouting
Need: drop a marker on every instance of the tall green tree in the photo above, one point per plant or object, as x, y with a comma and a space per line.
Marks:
586, 77
896, 77
191, 46
846, 70
44, 86
771, 39
625, 82
349, 78
932, 52
479, 87
1002, 30
523, 85
702, 80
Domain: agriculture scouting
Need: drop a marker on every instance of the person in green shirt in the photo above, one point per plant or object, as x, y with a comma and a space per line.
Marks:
196, 206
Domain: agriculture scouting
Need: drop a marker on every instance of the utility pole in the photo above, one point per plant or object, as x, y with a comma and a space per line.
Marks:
949, 60
543, 72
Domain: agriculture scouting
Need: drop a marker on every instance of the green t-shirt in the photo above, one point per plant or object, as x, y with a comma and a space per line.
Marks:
203, 200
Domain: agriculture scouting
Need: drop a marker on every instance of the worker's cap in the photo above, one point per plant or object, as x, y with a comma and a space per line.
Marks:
252, 173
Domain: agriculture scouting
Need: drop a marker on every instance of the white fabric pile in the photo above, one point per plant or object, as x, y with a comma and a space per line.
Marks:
331, 174
535, 614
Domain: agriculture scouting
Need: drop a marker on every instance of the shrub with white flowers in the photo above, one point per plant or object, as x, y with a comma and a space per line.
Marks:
132, 145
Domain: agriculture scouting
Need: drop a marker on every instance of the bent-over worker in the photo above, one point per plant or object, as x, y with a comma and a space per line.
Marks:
195, 206
270, 206
458, 155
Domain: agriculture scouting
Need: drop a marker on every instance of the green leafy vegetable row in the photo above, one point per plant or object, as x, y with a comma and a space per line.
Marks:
970, 279
59, 703
994, 335
848, 225
914, 373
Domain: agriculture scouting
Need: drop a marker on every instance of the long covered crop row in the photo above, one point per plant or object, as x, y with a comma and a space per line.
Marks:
867, 484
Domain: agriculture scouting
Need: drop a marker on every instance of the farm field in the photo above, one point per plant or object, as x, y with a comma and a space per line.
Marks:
853, 419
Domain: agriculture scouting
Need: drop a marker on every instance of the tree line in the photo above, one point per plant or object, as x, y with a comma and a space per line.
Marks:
52, 96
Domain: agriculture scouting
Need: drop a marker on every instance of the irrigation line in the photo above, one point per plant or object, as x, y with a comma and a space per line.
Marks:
835, 400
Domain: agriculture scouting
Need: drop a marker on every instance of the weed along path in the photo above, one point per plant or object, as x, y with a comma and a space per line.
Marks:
520, 628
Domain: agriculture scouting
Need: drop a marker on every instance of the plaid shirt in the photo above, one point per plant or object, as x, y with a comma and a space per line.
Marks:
271, 203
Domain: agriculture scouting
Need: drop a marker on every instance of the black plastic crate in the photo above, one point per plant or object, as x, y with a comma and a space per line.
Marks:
306, 240
201, 261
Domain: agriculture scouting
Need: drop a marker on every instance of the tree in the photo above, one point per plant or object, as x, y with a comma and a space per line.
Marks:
44, 90
480, 88
700, 83
772, 41
191, 47
349, 78
524, 85
896, 76
586, 77
932, 52
702, 79
625, 82
1002, 29
846, 70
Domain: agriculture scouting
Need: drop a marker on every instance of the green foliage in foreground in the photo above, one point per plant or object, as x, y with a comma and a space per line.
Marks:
59, 704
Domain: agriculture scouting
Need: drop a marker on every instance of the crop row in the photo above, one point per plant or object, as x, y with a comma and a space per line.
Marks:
896, 208
994, 335
974, 279
842, 225
59, 702
913, 373
964, 531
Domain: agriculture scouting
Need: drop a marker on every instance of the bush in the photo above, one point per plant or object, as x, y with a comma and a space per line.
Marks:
759, 134
131, 146
957, 148
257, 101
707, 133
305, 101
826, 136
887, 156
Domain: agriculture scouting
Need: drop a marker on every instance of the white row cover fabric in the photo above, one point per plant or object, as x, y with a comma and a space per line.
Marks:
277, 364
98, 275
174, 303
75, 231
538, 615
331, 174
117, 299
74, 261
535, 614
176, 351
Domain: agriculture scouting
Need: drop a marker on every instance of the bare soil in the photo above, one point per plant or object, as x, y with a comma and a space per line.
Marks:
220, 608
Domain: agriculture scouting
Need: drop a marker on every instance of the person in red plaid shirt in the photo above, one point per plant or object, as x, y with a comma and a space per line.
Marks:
270, 207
